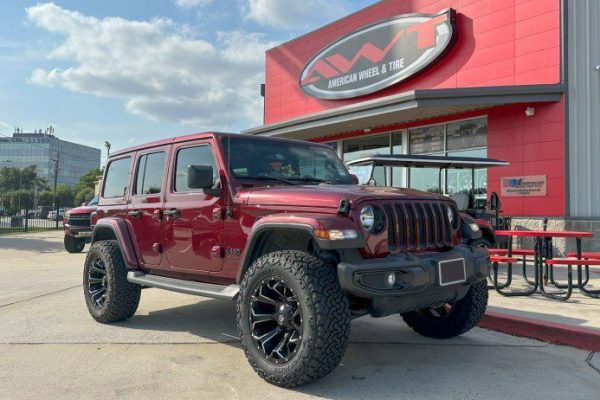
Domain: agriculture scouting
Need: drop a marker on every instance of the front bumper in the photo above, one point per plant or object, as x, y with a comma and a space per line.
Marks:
78, 231
418, 281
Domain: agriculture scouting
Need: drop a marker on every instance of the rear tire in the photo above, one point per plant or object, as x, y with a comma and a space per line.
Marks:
451, 320
73, 244
108, 295
318, 318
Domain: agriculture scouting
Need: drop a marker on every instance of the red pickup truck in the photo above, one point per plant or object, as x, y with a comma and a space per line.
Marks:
77, 224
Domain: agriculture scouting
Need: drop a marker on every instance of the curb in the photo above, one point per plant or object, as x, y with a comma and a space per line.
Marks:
545, 331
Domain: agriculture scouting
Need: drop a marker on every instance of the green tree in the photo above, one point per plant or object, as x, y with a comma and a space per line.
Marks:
65, 196
12, 179
84, 190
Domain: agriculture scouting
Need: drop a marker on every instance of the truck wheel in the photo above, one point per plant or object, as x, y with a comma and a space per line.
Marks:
293, 318
73, 244
451, 320
108, 294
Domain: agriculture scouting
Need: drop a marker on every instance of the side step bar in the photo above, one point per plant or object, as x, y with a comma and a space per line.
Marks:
182, 286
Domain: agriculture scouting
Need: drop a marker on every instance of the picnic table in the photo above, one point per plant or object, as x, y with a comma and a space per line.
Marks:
543, 263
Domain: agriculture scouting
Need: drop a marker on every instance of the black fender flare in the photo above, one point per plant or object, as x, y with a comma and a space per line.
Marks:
259, 229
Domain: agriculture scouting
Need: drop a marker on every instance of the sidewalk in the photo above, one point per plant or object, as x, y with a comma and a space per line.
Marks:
575, 322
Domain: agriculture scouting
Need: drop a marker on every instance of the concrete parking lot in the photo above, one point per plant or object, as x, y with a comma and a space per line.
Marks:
180, 346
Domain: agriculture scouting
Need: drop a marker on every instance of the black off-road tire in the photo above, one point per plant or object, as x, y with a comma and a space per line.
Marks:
463, 316
481, 242
325, 322
122, 297
73, 244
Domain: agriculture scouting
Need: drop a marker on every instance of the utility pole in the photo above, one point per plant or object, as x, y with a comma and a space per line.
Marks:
55, 184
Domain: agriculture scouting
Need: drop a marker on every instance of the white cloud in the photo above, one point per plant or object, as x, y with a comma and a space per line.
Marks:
3, 125
192, 3
156, 67
286, 14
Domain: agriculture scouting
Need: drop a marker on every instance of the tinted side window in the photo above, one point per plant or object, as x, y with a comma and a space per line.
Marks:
198, 155
117, 178
149, 174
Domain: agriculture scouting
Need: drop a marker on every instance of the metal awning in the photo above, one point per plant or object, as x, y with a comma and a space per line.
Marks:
402, 160
406, 107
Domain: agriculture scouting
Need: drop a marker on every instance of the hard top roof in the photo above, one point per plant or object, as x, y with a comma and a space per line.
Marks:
203, 135
402, 160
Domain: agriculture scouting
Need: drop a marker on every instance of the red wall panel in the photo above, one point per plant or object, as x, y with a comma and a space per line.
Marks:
507, 42
534, 146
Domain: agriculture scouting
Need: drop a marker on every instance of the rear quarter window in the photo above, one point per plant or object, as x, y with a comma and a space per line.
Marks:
117, 178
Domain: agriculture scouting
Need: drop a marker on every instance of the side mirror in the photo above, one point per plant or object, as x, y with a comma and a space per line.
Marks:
200, 176
354, 179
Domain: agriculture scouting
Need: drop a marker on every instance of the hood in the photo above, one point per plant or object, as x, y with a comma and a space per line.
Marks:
82, 210
328, 196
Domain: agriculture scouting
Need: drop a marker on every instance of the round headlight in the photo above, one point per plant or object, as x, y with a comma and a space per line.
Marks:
367, 217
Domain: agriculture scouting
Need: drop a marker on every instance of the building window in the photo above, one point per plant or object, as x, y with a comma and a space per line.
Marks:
466, 138
368, 146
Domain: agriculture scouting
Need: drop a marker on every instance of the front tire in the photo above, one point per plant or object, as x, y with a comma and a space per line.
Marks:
293, 318
451, 320
108, 295
73, 244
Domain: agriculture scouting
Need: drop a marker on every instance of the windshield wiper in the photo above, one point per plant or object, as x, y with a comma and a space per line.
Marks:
310, 179
263, 177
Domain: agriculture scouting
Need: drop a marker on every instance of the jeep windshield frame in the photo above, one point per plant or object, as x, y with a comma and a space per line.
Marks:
282, 161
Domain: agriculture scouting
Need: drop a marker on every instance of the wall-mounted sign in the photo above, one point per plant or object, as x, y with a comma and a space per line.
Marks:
379, 55
528, 186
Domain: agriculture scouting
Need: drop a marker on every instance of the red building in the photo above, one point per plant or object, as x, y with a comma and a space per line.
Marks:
483, 78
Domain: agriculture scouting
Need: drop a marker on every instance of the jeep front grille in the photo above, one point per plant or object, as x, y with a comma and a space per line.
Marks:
80, 219
421, 225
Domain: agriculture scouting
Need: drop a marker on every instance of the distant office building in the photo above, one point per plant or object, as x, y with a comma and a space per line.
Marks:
42, 148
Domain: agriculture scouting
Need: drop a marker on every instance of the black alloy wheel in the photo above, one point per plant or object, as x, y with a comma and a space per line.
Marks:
109, 296
97, 282
275, 320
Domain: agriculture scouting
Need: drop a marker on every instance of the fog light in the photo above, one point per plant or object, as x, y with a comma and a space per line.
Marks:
391, 279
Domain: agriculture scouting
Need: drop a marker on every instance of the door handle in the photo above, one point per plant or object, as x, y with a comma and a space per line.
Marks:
172, 213
134, 213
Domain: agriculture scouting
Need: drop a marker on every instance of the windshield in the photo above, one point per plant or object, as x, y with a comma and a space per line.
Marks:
94, 201
284, 162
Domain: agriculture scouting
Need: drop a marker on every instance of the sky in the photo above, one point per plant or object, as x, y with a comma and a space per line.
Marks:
132, 71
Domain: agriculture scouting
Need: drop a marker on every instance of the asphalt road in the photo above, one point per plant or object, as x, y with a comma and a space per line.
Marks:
179, 347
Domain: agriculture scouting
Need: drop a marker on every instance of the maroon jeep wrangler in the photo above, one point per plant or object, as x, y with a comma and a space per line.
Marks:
77, 225
281, 227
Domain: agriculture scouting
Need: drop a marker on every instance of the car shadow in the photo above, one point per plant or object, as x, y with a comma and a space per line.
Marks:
29, 244
385, 359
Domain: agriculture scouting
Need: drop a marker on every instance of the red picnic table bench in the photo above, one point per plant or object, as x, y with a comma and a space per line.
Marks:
542, 257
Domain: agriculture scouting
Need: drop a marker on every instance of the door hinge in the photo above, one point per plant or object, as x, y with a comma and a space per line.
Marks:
217, 251
221, 213
157, 247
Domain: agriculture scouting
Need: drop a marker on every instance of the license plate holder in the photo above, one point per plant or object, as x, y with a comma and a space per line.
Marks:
452, 271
